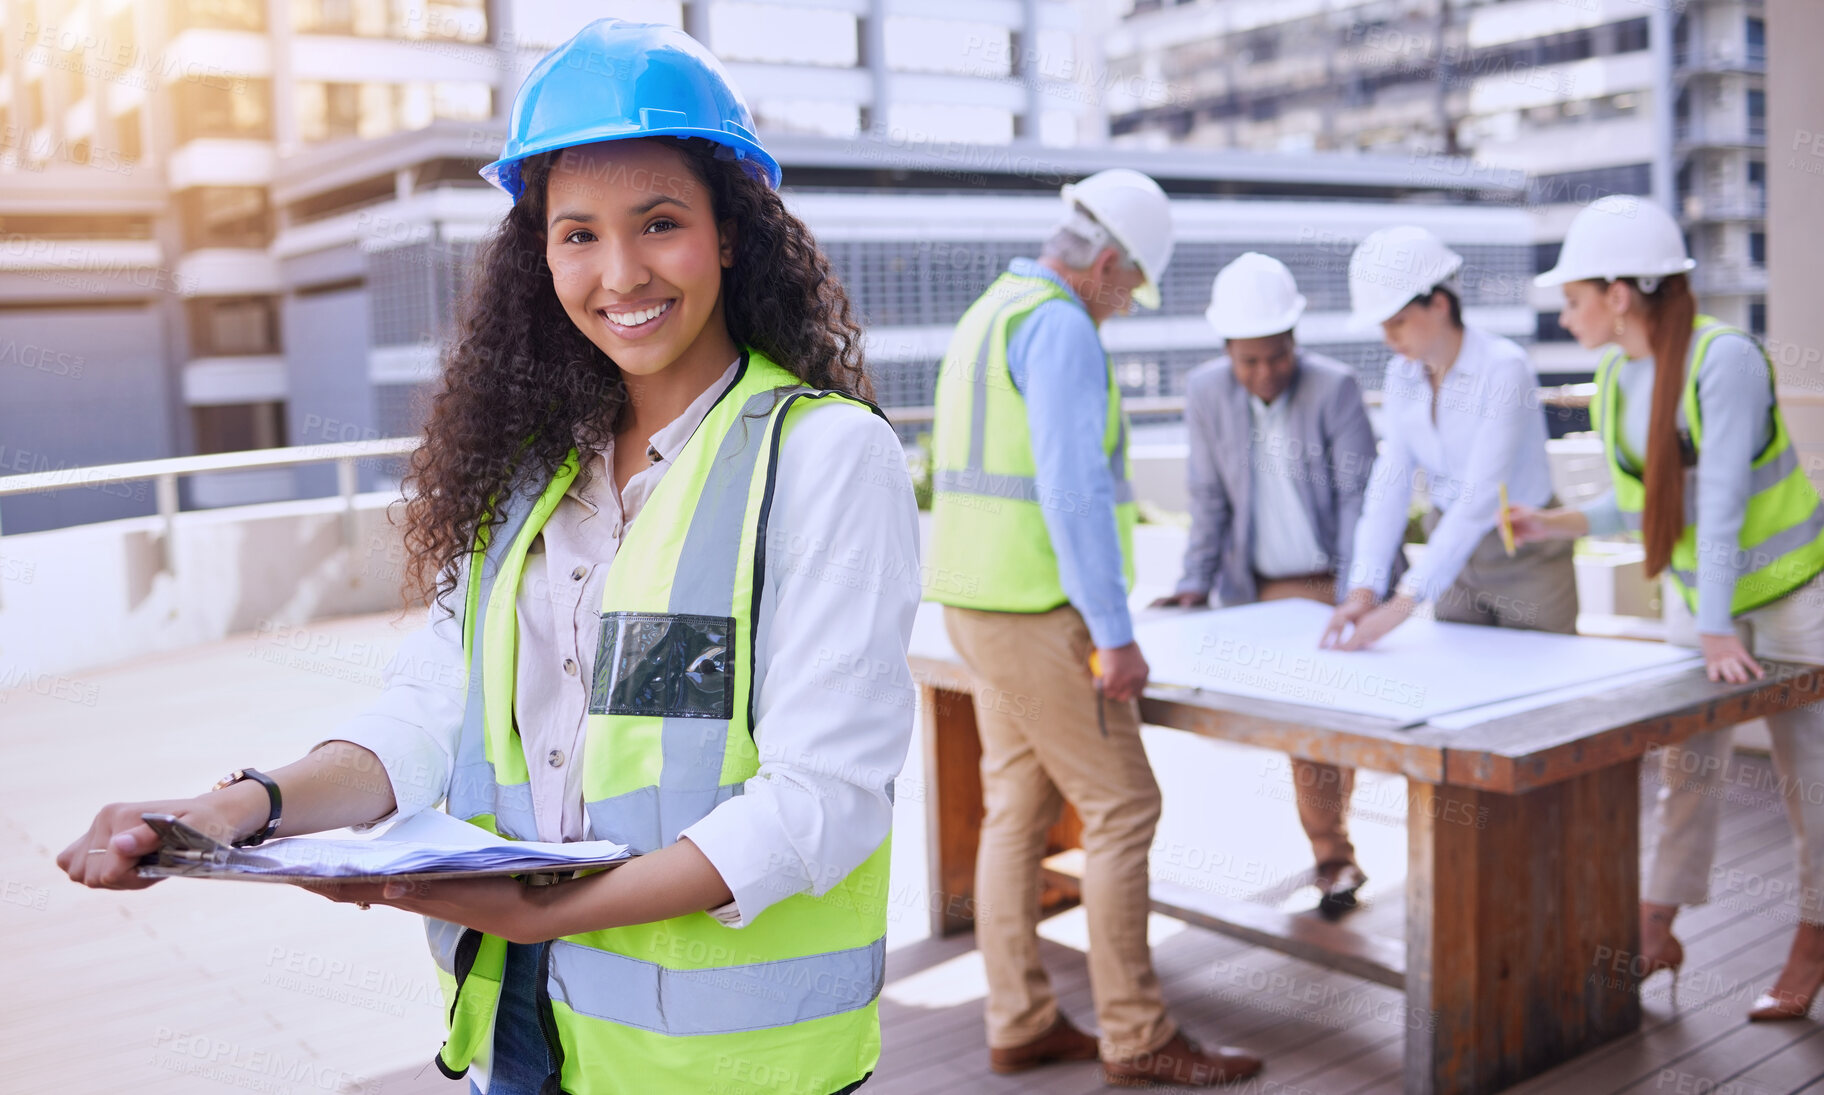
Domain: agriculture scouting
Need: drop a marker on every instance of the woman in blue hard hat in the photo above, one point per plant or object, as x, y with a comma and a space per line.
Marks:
1704, 470
673, 558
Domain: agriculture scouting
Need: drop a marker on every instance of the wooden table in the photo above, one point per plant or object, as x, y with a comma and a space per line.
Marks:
1523, 852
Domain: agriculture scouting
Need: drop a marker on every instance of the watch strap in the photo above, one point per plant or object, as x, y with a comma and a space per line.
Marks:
264, 833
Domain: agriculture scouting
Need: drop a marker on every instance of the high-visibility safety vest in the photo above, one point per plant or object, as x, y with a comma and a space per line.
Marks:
990, 549
1781, 545
687, 1005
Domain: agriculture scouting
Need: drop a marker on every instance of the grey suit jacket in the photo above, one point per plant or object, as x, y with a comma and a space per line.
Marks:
1326, 417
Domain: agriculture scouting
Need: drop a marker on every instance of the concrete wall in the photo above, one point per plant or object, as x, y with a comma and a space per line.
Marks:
77, 598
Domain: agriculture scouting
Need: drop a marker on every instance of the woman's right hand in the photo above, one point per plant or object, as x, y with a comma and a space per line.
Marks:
105, 857
1532, 524
1353, 608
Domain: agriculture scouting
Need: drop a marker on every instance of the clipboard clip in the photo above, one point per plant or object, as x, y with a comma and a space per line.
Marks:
182, 842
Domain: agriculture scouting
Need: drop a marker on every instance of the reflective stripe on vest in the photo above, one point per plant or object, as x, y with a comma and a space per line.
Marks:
668, 736
990, 548
1781, 543
682, 1003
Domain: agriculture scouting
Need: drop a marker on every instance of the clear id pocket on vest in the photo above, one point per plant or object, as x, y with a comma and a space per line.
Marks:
664, 666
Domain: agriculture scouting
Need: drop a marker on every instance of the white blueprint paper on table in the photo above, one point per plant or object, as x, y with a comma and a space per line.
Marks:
1422, 669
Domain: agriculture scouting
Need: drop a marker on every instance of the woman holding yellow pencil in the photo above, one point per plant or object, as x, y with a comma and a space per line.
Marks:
1704, 471
1458, 404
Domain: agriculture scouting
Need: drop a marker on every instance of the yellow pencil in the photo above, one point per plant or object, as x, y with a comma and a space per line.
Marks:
1507, 524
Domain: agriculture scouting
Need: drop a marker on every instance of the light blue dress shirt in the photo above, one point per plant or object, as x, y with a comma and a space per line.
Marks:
1057, 362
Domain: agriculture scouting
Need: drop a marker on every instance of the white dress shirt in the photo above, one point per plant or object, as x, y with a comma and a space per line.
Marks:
1487, 428
833, 697
1285, 544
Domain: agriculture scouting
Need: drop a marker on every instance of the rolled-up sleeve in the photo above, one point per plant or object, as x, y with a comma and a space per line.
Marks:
414, 725
834, 695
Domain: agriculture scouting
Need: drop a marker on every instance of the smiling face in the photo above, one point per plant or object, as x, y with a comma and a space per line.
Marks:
1264, 366
1591, 311
636, 253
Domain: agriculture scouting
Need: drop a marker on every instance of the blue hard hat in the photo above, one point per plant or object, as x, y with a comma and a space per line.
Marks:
617, 80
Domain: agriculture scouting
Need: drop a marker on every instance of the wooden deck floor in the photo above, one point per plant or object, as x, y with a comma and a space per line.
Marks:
191, 989
1329, 1034
1323, 1033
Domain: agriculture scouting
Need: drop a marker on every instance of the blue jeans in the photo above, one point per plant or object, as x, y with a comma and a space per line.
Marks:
522, 1060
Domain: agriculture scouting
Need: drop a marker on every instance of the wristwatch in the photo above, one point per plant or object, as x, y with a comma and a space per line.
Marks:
272, 796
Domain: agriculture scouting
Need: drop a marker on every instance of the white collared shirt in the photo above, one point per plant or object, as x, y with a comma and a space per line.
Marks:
1285, 545
1489, 430
833, 697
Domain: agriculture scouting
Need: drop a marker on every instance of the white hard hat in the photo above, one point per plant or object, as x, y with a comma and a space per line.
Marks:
1254, 296
1137, 214
1391, 267
1620, 236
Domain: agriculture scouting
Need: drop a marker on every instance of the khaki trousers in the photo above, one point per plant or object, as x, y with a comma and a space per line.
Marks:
1535, 590
1693, 774
1041, 746
1321, 790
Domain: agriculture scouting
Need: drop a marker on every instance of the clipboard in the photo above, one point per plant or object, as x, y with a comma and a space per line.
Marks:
187, 852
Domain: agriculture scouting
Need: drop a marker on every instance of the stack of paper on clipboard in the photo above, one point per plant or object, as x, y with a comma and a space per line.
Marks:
428, 845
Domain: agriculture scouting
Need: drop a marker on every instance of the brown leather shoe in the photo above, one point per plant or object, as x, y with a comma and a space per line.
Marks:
1062, 1042
1180, 1063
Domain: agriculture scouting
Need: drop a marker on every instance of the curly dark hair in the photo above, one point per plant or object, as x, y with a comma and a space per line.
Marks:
520, 369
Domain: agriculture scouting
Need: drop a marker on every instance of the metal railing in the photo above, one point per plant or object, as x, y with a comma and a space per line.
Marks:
165, 473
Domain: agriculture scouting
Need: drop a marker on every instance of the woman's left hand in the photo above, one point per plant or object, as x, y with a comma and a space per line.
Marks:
498, 906
1390, 614
1726, 659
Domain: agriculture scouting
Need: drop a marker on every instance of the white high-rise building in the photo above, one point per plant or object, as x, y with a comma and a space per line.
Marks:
236, 224
1569, 99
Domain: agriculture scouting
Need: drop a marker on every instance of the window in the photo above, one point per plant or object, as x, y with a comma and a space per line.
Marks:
1584, 187
1545, 256
52, 226
223, 106
1548, 329
443, 20
225, 216
218, 14
1631, 36
237, 427
1757, 248
1757, 113
127, 137
328, 112
1756, 34
233, 326
1757, 316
